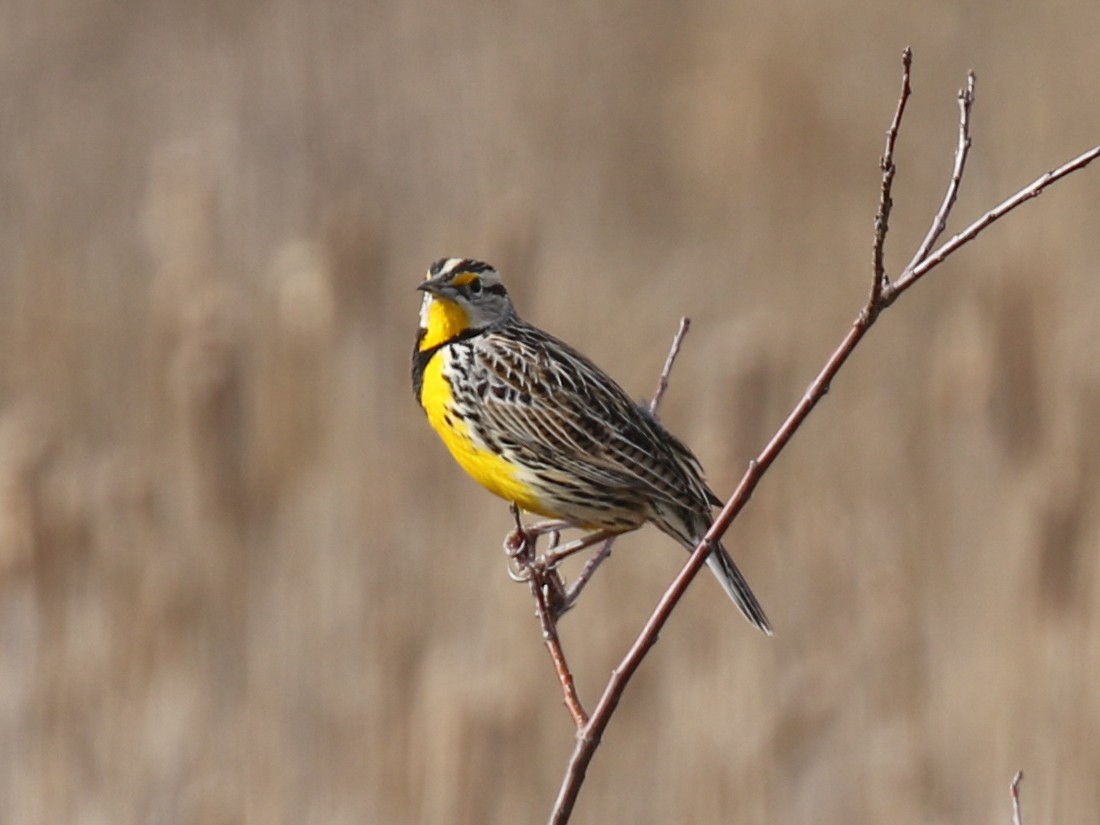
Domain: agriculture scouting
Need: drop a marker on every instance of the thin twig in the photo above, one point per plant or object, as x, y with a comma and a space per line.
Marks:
886, 202
541, 578
546, 614
911, 275
577, 587
674, 350
559, 553
588, 737
1017, 818
939, 223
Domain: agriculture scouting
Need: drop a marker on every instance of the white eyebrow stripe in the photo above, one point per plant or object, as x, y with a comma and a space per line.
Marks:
451, 265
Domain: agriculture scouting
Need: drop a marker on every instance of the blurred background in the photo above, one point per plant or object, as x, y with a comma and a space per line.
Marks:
241, 580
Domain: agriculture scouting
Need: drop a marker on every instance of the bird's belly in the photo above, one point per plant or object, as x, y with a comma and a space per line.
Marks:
540, 490
493, 472
489, 469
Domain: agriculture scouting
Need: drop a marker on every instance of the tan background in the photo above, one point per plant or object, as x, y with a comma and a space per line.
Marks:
240, 580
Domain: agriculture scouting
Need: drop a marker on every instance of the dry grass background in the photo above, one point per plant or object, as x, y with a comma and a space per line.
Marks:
240, 581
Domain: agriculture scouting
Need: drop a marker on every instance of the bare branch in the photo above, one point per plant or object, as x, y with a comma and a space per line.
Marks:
886, 202
557, 655
674, 350
559, 553
543, 581
1032, 190
882, 295
939, 223
577, 587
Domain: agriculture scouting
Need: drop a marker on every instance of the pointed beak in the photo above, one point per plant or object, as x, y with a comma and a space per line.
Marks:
434, 286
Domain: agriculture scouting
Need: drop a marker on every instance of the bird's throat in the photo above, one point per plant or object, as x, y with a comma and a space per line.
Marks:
441, 320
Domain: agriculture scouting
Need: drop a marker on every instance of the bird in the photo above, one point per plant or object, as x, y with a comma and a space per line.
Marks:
540, 425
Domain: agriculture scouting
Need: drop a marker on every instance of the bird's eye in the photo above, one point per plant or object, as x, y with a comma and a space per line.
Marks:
475, 286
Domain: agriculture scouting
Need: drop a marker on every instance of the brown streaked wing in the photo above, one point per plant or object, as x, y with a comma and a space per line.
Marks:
548, 401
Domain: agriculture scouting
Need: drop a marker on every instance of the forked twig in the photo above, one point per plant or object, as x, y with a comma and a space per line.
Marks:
939, 223
915, 272
547, 590
882, 295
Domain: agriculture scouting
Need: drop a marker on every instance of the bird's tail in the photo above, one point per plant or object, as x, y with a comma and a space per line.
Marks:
734, 584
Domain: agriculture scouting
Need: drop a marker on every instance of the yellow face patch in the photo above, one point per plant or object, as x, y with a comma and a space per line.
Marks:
442, 320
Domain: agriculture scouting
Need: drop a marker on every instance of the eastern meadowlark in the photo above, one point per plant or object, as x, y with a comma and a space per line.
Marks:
538, 424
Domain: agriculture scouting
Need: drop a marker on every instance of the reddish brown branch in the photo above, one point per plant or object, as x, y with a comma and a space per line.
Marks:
962, 150
557, 655
882, 295
916, 271
886, 164
548, 591
574, 590
674, 350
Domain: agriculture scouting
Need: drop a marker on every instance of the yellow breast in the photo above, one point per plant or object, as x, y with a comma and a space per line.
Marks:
488, 469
